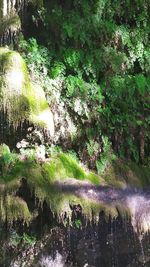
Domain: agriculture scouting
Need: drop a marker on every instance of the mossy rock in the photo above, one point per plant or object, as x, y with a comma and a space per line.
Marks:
63, 184
45, 181
14, 208
19, 99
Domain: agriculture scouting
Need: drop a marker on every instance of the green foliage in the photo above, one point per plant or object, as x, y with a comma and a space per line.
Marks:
77, 223
106, 156
16, 239
75, 85
92, 147
57, 70
9, 163
37, 57
141, 83
28, 239
101, 52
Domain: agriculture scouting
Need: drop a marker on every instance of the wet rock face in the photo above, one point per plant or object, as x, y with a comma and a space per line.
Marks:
88, 251
112, 243
65, 127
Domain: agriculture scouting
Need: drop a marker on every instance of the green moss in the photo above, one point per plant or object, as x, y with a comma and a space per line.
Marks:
36, 93
123, 211
20, 99
10, 165
72, 168
13, 83
14, 208
63, 166
49, 179
43, 180
9, 187
94, 178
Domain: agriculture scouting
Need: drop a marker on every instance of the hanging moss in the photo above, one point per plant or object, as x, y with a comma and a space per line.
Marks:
13, 208
19, 99
63, 184
43, 179
11, 22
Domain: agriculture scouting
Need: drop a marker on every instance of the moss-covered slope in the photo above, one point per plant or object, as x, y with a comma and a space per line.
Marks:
63, 184
43, 179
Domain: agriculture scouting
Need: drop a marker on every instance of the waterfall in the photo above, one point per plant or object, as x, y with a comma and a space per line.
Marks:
12, 14
10, 6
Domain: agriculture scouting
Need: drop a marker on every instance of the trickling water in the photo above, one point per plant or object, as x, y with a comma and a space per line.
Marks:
109, 244
48, 261
142, 252
113, 242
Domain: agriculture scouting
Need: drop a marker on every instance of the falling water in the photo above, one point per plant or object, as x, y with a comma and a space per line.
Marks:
48, 261
142, 251
112, 243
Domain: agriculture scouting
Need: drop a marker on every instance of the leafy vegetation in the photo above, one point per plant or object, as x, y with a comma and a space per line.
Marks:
100, 50
89, 62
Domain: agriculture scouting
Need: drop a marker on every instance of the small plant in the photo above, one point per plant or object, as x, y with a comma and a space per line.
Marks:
57, 70
15, 239
105, 157
28, 239
37, 57
92, 147
74, 86
77, 223
7, 160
